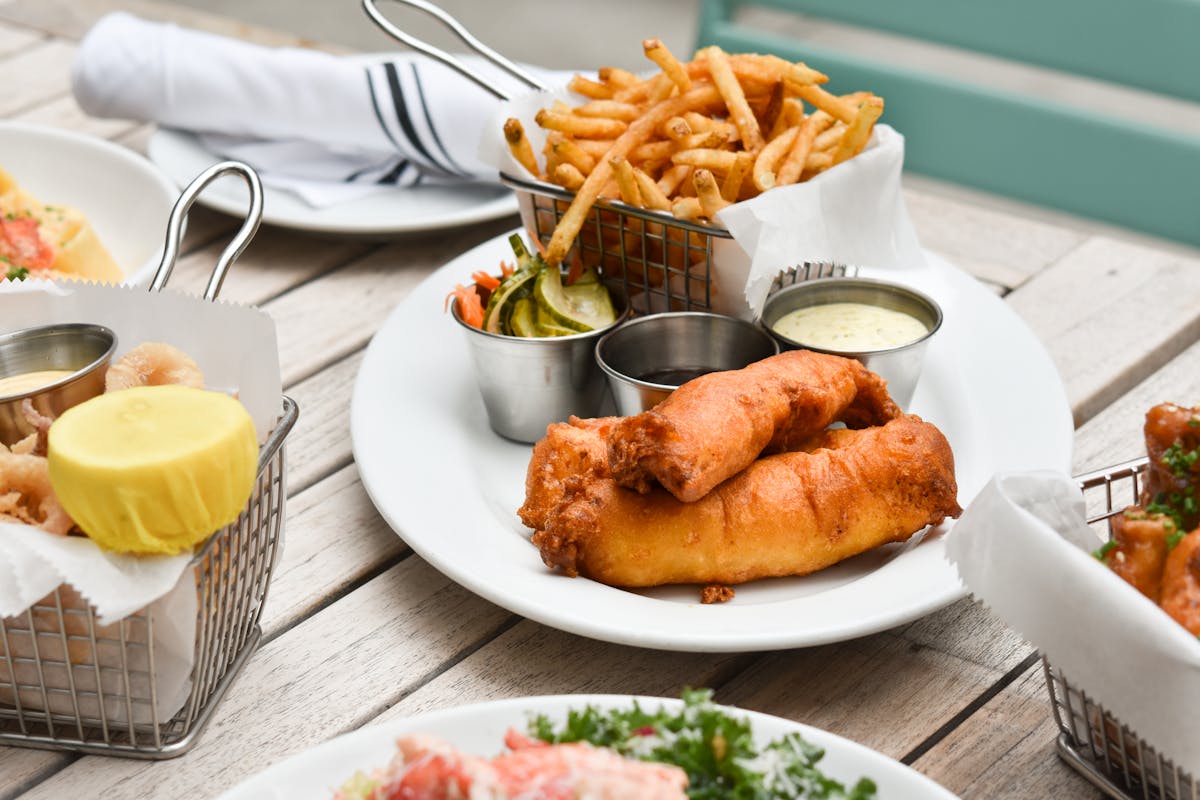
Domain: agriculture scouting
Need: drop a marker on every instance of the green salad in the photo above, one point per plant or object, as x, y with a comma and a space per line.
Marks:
716, 750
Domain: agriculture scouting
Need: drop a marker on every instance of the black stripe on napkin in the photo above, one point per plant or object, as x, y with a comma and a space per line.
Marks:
378, 112
429, 120
393, 175
406, 121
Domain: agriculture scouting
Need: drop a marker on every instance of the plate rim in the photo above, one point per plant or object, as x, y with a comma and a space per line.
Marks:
557, 705
647, 636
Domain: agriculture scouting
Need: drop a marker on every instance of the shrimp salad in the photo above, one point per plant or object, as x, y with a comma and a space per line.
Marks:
698, 752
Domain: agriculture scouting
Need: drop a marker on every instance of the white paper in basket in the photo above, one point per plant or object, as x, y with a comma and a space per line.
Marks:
1024, 550
852, 214
235, 347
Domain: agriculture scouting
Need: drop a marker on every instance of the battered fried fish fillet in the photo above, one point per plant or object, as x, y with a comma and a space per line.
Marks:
1140, 550
714, 426
569, 453
1181, 583
787, 514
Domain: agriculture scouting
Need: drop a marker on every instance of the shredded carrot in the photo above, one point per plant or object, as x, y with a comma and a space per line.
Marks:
576, 269
489, 282
470, 307
537, 242
507, 269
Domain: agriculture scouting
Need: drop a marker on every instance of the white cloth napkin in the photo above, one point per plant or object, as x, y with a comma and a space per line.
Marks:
1023, 549
325, 127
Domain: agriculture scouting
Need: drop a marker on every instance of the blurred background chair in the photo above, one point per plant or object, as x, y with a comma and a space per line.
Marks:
1114, 163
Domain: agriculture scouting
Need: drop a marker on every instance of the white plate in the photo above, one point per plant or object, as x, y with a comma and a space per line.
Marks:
450, 487
400, 210
479, 729
126, 199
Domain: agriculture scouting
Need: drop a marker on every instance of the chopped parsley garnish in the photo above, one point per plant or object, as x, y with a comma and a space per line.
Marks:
1194, 423
716, 750
16, 273
1178, 460
1174, 538
1105, 549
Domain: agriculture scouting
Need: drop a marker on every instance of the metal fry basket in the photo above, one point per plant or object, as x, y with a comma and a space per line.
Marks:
659, 262
647, 254
69, 683
1093, 741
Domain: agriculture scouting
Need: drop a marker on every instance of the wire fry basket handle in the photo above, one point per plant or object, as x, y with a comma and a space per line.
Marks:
234, 248
388, 27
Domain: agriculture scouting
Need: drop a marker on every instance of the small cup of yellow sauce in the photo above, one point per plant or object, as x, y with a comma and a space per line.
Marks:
53, 366
884, 325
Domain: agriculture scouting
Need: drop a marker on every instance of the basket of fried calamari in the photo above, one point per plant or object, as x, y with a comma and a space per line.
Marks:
141, 504
1102, 574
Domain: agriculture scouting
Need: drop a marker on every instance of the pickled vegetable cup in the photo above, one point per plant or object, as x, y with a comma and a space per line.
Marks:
529, 383
648, 358
884, 325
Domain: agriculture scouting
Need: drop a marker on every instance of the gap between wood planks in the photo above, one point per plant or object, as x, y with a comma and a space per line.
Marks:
969, 710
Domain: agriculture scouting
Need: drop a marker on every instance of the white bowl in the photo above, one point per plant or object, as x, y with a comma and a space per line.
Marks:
126, 198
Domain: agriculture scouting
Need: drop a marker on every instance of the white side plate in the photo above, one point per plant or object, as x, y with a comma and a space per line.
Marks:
126, 199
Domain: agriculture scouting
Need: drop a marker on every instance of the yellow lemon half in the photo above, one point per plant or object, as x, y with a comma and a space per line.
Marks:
154, 469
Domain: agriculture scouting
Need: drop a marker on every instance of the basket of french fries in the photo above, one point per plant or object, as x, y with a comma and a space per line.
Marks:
139, 525
636, 170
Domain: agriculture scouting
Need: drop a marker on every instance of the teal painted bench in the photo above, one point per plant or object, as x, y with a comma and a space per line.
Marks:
1106, 167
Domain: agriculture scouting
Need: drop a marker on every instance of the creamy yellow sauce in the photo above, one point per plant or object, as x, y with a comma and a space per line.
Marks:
854, 327
28, 381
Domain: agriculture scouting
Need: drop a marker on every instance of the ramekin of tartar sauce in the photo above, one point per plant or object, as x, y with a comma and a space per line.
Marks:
884, 325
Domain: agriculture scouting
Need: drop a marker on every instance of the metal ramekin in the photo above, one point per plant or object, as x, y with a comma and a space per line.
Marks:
900, 366
84, 349
528, 383
688, 341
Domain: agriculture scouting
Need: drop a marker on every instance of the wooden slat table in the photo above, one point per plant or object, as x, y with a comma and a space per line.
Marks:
360, 630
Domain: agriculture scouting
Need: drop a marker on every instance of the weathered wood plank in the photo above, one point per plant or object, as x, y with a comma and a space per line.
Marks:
1115, 434
332, 540
64, 112
994, 246
34, 76
1112, 312
531, 659
15, 39
320, 443
335, 671
72, 18
916, 679
1006, 750
21, 768
327, 319
275, 261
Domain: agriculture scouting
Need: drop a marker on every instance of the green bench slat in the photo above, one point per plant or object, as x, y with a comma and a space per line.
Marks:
1151, 44
1106, 168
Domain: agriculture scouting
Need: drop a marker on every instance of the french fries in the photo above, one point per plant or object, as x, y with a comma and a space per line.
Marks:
691, 138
